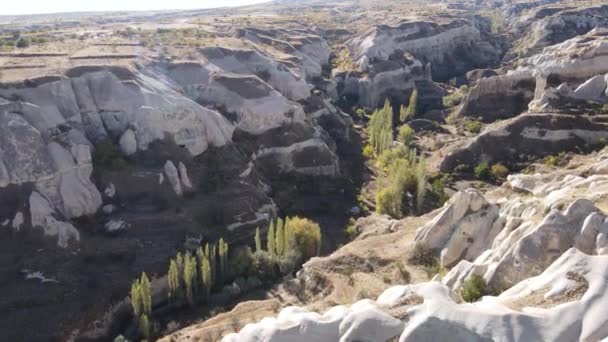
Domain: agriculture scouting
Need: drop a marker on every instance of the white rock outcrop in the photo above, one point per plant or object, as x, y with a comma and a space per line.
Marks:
43, 216
463, 229
572, 294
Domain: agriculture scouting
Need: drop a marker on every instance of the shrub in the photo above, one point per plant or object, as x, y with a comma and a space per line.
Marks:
306, 236
351, 231
605, 108
473, 288
473, 126
500, 171
241, 262
482, 171
360, 113
405, 176
290, 261
406, 113
388, 157
368, 151
452, 100
388, 202
107, 155
602, 142
264, 267
452, 118
437, 187
550, 161
422, 255
406, 135
22, 43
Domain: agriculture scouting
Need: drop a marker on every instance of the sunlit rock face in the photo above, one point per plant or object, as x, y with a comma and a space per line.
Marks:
452, 47
431, 312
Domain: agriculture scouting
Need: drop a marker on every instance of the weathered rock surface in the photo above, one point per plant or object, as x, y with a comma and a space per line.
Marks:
548, 25
434, 313
499, 97
528, 136
453, 46
385, 79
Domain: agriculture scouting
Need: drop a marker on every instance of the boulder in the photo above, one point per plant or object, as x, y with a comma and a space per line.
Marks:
43, 216
465, 228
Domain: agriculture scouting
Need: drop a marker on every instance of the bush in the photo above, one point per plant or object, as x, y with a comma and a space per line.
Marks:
388, 157
406, 135
473, 126
264, 267
350, 231
388, 202
306, 236
22, 43
422, 255
240, 262
482, 171
107, 155
473, 288
550, 161
452, 100
290, 261
500, 171
368, 151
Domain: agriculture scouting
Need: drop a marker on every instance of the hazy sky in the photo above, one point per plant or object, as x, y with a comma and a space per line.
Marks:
53, 6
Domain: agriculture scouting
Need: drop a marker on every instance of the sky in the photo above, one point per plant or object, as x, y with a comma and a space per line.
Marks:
12, 7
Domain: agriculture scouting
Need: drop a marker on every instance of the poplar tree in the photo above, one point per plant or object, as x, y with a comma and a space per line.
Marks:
144, 326
213, 263
258, 240
288, 234
206, 277
270, 240
223, 252
189, 276
380, 128
136, 301
280, 238
173, 280
412, 107
146, 295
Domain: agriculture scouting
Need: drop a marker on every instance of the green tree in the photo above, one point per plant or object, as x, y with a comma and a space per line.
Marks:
258, 240
144, 326
280, 238
173, 280
380, 128
189, 277
146, 294
406, 135
270, 240
213, 263
223, 252
136, 301
289, 240
412, 107
403, 114
206, 276
306, 235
